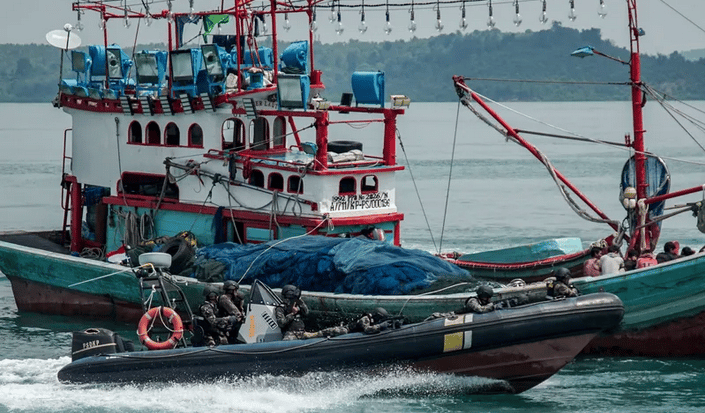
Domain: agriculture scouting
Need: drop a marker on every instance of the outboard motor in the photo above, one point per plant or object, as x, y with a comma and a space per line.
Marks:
95, 341
260, 323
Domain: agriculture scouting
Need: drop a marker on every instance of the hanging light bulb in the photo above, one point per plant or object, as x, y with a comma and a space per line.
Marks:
264, 24
602, 9
126, 23
332, 17
287, 22
412, 22
463, 22
314, 25
339, 26
362, 27
169, 14
543, 18
101, 24
79, 26
572, 16
517, 16
439, 24
147, 15
388, 25
190, 10
490, 20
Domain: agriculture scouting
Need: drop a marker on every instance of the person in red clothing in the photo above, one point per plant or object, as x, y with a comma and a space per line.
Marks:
591, 267
646, 259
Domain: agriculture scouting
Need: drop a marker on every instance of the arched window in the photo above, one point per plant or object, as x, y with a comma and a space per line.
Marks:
154, 135
233, 134
135, 133
279, 132
260, 134
276, 182
295, 185
173, 136
256, 178
195, 136
369, 184
347, 186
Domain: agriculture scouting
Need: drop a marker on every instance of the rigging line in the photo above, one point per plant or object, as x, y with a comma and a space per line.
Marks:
562, 82
683, 16
629, 149
450, 177
544, 161
571, 138
676, 120
662, 98
416, 188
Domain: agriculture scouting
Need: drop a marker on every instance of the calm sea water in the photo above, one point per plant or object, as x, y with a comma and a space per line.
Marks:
499, 196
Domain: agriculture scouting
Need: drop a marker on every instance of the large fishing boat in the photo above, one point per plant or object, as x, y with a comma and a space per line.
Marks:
229, 141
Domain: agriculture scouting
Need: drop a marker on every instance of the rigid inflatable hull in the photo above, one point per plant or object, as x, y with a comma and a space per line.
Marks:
523, 346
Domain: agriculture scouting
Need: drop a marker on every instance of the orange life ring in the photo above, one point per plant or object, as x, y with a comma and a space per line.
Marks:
144, 326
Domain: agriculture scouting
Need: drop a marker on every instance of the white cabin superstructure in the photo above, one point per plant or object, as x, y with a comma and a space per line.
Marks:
250, 156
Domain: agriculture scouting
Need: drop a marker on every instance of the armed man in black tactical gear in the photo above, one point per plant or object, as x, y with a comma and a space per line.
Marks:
482, 303
214, 327
290, 314
562, 286
372, 323
230, 307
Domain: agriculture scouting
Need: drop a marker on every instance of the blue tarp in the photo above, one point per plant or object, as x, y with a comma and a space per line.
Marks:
341, 265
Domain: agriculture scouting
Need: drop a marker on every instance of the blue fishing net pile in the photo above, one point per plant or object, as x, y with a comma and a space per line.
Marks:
341, 265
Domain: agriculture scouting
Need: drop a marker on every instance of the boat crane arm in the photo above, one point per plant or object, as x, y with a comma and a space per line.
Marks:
464, 90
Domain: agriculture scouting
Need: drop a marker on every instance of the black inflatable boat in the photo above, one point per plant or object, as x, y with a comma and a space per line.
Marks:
523, 346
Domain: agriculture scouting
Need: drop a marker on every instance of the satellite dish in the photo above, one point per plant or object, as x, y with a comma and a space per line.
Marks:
58, 38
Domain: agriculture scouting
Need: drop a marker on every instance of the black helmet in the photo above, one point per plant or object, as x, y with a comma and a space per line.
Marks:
485, 291
209, 291
380, 314
230, 285
291, 292
561, 273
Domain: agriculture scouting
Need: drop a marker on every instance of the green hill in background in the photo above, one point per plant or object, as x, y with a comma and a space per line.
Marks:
422, 68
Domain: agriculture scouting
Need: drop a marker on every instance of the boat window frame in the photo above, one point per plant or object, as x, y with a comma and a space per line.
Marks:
354, 186
256, 174
135, 126
295, 187
270, 179
190, 135
166, 134
279, 136
366, 189
259, 138
157, 134
236, 143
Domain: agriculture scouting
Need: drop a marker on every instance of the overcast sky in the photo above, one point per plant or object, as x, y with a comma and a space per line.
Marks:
666, 31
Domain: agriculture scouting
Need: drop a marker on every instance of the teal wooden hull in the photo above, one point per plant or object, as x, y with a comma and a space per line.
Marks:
664, 304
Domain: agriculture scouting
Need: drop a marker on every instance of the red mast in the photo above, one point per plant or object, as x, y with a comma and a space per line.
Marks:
638, 123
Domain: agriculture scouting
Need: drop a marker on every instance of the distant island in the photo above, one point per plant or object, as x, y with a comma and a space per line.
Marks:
422, 68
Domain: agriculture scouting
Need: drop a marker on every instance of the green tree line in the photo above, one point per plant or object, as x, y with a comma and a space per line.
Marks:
529, 66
